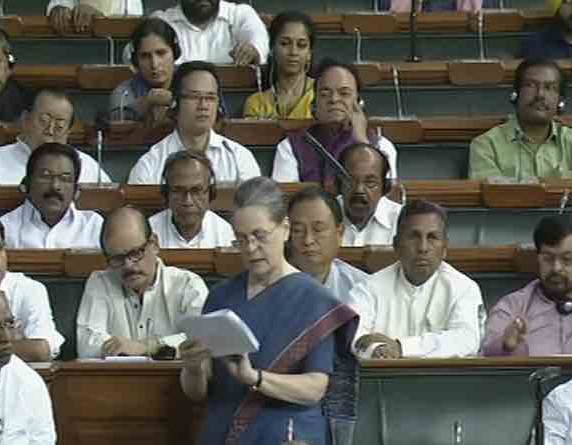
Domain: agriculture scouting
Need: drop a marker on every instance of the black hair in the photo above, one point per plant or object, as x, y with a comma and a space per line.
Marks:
155, 26
534, 62
345, 154
551, 230
420, 207
185, 155
263, 192
328, 63
2, 232
186, 69
54, 149
109, 217
58, 94
314, 192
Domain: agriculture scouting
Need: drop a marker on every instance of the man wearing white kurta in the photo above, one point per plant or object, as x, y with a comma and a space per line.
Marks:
419, 306
558, 415
133, 306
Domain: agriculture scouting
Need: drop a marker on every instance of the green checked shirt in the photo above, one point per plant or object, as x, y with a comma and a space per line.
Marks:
506, 150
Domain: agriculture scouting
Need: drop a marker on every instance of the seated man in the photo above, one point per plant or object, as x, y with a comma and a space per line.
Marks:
534, 320
555, 42
419, 306
188, 187
218, 31
79, 14
532, 143
48, 218
197, 106
50, 120
369, 217
35, 338
557, 415
133, 306
25, 405
340, 122
316, 232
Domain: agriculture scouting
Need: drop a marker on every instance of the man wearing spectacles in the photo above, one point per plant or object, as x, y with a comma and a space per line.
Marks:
32, 331
48, 217
188, 187
133, 306
50, 120
26, 415
534, 320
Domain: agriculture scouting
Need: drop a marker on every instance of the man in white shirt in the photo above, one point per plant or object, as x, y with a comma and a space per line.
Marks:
35, 338
369, 216
48, 218
419, 306
26, 415
133, 307
217, 31
50, 120
341, 122
79, 15
197, 105
316, 232
188, 187
557, 415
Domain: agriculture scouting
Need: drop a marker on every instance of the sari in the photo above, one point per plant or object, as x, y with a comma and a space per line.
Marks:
301, 328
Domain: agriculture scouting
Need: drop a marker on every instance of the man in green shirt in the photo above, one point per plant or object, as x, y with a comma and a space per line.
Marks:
530, 144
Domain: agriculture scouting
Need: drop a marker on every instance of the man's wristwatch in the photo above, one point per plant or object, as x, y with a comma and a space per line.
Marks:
256, 386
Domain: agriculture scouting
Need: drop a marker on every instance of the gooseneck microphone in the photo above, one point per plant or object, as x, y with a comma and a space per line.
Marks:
539, 378
413, 56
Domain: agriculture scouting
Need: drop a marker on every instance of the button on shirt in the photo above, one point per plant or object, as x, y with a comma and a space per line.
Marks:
342, 278
379, 230
215, 232
29, 303
108, 309
557, 415
234, 23
25, 229
134, 7
14, 157
25, 407
437, 319
231, 161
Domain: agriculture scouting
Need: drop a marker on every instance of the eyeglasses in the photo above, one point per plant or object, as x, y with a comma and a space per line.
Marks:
550, 258
134, 256
60, 125
9, 324
45, 177
180, 193
209, 98
259, 236
369, 184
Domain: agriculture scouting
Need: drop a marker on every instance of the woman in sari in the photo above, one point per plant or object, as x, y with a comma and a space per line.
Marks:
276, 393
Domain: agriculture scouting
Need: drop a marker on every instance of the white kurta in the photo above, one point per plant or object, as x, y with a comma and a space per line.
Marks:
14, 157
231, 161
25, 229
558, 415
134, 7
108, 310
342, 278
29, 303
215, 232
25, 407
437, 319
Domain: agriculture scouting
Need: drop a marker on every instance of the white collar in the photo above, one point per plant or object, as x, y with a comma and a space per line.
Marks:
23, 145
35, 217
410, 288
173, 228
216, 141
223, 14
129, 293
380, 215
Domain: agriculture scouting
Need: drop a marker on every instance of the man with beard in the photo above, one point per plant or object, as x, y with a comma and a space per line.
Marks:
25, 407
48, 217
533, 321
133, 307
419, 306
218, 31
369, 217
188, 187
555, 41
531, 144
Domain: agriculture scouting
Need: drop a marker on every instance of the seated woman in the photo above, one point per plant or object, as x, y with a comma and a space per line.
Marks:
146, 96
303, 332
291, 91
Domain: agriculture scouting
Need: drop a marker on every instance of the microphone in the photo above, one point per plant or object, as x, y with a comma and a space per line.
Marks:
501, 4
358, 45
258, 72
101, 125
125, 8
2, 8
539, 378
480, 33
122, 105
563, 202
397, 90
413, 57
542, 375
111, 46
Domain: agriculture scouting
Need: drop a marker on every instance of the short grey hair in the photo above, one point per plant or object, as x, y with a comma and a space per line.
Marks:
261, 192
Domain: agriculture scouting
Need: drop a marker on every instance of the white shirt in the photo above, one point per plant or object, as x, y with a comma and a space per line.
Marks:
437, 319
25, 229
107, 309
558, 415
234, 23
231, 161
215, 232
29, 303
342, 278
25, 407
380, 229
134, 7
285, 167
14, 157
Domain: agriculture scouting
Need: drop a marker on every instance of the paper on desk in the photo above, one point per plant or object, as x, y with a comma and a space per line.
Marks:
127, 358
223, 332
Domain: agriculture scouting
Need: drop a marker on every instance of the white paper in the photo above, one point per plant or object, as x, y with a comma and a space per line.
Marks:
127, 358
223, 332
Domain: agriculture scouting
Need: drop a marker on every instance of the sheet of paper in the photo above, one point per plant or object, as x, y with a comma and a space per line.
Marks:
127, 358
223, 332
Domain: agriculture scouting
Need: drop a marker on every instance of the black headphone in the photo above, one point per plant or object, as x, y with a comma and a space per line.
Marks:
9, 56
160, 28
185, 155
564, 307
513, 99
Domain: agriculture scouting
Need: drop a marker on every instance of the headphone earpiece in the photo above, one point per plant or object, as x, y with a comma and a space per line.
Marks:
513, 98
564, 307
361, 103
11, 60
23, 186
561, 105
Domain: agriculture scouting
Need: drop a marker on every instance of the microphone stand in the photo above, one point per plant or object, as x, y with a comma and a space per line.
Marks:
413, 57
539, 377
101, 125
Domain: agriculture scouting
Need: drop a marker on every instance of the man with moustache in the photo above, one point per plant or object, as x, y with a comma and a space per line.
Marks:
188, 186
531, 144
420, 306
533, 321
555, 41
341, 122
218, 31
25, 407
48, 217
133, 306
